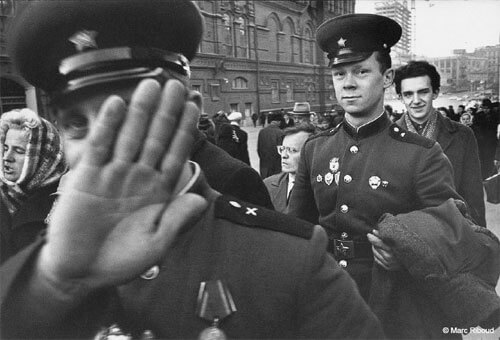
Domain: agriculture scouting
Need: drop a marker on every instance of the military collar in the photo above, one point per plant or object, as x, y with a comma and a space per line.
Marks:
368, 129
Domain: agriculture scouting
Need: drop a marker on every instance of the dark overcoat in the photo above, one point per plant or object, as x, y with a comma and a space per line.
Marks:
229, 175
21, 229
267, 141
234, 141
277, 186
283, 283
348, 178
460, 146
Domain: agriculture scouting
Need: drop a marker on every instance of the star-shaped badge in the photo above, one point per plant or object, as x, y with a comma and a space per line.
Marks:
341, 42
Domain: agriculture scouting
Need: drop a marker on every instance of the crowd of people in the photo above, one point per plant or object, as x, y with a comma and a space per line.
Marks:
135, 215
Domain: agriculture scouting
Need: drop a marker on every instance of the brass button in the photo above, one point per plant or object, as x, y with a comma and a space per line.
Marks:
344, 208
354, 149
343, 263
347, 179
344, 235
151, 273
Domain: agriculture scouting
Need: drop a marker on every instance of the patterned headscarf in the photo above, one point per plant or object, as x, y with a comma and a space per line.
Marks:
44, 160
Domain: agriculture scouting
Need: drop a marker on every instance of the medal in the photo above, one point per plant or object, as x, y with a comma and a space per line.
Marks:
329, 178
214, 304
319, 178
337, 178
374, 182
334, 164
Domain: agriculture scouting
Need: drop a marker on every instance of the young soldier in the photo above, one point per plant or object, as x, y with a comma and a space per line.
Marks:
348, 177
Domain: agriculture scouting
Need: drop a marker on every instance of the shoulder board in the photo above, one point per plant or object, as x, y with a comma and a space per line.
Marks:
255, 216
398, 133
329, 132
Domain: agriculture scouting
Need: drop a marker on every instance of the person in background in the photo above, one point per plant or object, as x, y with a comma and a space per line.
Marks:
268, 139
233, 139
452, 114
485, 125
136, 227
418, 84
280, 185
288, 120
255, 117
207, 127
32, 166
443, 112
466, 119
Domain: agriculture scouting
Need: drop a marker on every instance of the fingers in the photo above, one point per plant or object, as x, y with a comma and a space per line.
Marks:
164, 123
376, 241
141, 108
103, 133
181, 145
183, 211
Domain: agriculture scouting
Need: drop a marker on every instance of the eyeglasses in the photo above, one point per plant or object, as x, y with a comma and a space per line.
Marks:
281, 149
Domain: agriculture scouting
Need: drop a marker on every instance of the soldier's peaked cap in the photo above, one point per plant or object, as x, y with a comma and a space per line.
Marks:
57, 44
354, 37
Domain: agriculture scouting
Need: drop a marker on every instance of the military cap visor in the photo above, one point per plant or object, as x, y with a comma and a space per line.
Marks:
354, 37
59, 45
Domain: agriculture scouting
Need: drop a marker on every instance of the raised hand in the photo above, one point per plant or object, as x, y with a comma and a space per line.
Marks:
119, 211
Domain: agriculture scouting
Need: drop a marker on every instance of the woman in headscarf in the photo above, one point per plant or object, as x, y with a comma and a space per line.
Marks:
32, 165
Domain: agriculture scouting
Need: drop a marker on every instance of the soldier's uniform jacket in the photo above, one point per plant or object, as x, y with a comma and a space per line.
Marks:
282, 282
347, 179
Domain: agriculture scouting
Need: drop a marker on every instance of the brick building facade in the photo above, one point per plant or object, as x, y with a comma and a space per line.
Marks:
255, 56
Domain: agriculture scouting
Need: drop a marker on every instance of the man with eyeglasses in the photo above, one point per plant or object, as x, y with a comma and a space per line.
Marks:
280, 185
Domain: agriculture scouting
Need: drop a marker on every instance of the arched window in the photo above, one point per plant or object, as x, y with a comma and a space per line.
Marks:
272, 40
308, 46
227, 34
286, 48
240, 83
241, 35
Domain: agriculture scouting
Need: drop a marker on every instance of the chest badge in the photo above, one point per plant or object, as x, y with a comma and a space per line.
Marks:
374, 182
214, 304
319, 178
329, 178
334, 164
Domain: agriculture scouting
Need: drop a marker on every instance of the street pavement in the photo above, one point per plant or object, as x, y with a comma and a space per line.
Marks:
492, 210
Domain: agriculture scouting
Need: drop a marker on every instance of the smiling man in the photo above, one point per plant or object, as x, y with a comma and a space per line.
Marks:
417, 84
349, 176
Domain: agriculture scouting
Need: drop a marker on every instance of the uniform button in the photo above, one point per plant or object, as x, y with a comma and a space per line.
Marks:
344, 235
344, 208
235, 204
354, 149
343, 263
396, 129
347, 179
151, 273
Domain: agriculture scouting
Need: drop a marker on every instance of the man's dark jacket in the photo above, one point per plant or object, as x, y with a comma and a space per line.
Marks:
270, 161
228, 175
460, 146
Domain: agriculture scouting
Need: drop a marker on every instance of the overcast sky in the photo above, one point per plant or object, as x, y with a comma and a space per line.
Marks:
445, 25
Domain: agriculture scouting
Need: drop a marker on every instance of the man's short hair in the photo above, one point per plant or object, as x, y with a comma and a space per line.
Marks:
302, 127
384, 59
417, 69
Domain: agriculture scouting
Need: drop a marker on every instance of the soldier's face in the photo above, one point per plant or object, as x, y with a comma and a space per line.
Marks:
76, 115
291, 153
417, 95
359, 87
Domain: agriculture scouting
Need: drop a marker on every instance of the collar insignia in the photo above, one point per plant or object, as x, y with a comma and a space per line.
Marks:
84, 40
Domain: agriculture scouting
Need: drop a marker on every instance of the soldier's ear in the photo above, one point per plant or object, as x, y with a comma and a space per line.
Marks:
388, 77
